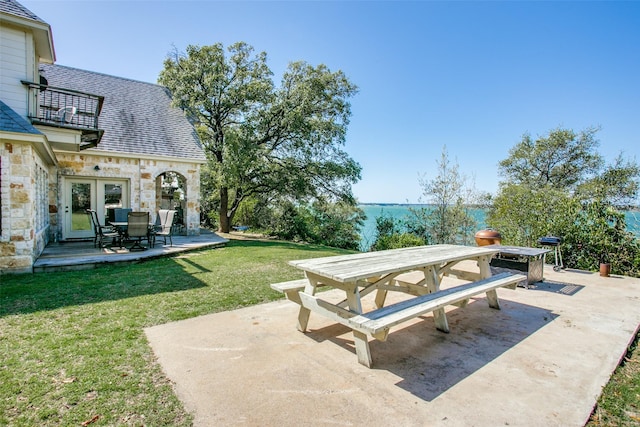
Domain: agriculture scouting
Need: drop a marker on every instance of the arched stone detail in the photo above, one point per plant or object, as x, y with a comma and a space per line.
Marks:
189, 201
172, 193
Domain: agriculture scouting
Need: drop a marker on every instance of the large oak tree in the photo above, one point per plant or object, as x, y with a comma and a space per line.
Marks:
261, 139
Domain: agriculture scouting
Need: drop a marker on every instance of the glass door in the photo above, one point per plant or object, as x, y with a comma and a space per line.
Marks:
83, 194
112, 194
80, 197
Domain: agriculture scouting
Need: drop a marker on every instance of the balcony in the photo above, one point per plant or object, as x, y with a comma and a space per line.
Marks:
66, 109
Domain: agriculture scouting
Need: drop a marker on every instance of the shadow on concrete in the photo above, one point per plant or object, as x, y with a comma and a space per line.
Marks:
429, 361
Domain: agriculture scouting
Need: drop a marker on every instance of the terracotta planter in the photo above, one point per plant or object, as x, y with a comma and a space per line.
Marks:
605, 269
488, 237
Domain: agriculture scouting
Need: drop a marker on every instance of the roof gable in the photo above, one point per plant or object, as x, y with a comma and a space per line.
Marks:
137, 117
12, 12
12, 7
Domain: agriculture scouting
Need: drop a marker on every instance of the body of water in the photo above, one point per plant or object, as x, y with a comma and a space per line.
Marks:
368, 233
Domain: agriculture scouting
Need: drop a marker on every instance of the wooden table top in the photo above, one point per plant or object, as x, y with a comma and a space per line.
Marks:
353, 267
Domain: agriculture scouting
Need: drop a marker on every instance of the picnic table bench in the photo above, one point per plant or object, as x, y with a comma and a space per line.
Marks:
363, 273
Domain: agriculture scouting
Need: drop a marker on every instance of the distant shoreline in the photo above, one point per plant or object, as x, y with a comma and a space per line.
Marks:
628, 209
399, 210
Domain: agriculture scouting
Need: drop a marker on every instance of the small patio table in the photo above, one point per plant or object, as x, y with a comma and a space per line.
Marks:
360, 274
122, 226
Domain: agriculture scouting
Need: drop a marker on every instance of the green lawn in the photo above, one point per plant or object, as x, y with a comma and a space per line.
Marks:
619, 404
72, 346
73, 350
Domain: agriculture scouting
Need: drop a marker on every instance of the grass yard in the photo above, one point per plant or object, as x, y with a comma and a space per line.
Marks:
72, 346
619, 404
73, 350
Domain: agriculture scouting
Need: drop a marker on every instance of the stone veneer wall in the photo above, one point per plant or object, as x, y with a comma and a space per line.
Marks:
142, 174
20, 241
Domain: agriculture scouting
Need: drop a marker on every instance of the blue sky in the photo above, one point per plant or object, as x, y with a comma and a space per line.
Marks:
471, 76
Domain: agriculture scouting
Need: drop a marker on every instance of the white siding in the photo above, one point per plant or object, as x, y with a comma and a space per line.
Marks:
15, 46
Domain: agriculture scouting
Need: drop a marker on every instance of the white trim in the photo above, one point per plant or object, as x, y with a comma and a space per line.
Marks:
39, 142
138, 156
41, 32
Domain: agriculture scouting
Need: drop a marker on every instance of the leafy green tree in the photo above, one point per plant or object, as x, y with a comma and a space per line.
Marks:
261, 139
322, 222
567, 160
563, 160
291, 222
448, 219
337, 224
560, 185
617, 184
523, 214
397, 241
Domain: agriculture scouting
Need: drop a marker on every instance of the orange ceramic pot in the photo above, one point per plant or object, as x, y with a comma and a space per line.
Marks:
605, 269
488, 237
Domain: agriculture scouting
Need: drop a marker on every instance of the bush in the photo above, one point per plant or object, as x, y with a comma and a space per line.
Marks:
389, 235
599, 234
592, 232
326, 223
396, 241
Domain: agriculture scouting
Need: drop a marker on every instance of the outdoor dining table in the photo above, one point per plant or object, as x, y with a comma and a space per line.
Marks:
119, 224
121, 227
362, 273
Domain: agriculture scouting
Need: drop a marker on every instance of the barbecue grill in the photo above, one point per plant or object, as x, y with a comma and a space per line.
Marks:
552, 242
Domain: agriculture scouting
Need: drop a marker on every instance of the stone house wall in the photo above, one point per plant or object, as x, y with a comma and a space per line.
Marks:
25, 224
141, 175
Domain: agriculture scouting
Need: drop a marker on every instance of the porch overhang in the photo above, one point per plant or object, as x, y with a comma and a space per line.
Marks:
39, 143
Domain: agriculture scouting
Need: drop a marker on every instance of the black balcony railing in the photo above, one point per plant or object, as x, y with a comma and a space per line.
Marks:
66, 108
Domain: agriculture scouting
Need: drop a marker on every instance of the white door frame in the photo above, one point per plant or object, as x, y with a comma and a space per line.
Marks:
76, 226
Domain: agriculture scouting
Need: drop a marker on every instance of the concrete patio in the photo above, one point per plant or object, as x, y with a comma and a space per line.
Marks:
540, 361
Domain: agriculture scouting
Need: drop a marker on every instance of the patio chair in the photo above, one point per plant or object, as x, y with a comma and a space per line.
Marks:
165, 229
102, 232
138, 229
118, 214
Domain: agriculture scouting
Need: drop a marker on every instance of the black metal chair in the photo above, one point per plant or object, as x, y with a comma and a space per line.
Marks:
138, 229
165, 229
102, 232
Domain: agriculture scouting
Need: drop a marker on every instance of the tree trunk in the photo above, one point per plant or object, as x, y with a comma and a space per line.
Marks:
225, 225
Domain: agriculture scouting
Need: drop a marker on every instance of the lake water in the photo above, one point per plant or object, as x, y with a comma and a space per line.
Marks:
368, 233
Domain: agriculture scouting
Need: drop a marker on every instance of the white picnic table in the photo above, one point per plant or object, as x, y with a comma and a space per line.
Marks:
362, 273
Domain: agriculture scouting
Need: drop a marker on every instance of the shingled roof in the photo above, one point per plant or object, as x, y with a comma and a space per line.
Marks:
14, 8
137, 117
10, 121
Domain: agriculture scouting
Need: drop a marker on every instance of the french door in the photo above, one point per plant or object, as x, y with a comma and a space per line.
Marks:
98, 194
